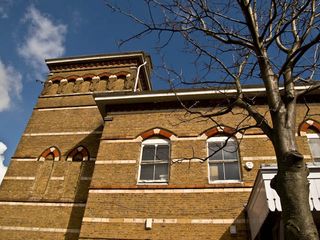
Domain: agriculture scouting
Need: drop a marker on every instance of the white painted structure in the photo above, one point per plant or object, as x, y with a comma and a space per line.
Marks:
264, 199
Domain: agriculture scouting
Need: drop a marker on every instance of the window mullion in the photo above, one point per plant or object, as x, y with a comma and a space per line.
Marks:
222, 161
154, 161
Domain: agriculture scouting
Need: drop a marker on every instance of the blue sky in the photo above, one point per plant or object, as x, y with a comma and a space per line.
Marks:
34, 30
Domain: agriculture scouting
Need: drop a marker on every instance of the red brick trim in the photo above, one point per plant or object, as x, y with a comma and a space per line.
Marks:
88, 76
54, 150
219, 130
308, 124
120, 74
72, 77
58, 78
104, 74
83, 150
156, 132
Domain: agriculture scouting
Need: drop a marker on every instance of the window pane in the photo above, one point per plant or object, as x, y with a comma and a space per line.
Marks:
230, 151
231, 170
314, 144
148, 152
216, 171
161, 172
162, 152
214, 146
147, 172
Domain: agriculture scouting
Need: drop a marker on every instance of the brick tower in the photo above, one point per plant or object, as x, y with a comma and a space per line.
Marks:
44, 193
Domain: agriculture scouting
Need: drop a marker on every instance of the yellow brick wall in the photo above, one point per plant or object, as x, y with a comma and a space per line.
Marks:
188, 199
109, 212
48, 181
179, 213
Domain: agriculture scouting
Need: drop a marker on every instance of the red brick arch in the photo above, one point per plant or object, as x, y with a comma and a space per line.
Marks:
156, 132
219, 130
51, 150
303, 129
72, 77
104, 74
88, 76
57, 78
80, 149
122, 74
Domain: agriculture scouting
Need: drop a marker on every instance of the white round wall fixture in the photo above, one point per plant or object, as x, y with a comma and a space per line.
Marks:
249, 165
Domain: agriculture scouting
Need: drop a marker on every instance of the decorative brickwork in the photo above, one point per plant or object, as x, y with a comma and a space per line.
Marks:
219, 130
156, 132
79, 66
51, 153
307, 125
118, 81
72, 77
79, 153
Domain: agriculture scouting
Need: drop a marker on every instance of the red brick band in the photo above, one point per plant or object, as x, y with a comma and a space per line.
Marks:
90, 76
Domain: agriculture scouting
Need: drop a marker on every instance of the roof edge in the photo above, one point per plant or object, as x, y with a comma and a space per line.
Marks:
84, 58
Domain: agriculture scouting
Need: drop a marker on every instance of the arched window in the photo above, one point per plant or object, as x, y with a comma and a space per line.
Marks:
311, 129
154, 164
50, 154
223, 159
78, 154
314, 144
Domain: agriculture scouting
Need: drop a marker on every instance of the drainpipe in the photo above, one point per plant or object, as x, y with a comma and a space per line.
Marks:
137, 77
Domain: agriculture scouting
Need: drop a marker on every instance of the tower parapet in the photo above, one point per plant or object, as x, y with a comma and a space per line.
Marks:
99, 73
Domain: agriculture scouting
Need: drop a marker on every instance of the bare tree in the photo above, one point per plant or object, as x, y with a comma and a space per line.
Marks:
274, 43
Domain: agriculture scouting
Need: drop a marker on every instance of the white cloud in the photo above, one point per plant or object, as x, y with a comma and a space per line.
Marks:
3, 12
3, 168
10, 85
5, 6
45, 39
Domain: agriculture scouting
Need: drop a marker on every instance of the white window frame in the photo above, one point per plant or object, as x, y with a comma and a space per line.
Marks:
313, 136
154, 141
222, 139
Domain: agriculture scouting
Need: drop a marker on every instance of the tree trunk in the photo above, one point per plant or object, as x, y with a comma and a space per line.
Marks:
291, 181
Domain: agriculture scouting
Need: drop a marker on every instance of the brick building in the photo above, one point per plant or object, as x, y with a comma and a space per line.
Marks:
105, 157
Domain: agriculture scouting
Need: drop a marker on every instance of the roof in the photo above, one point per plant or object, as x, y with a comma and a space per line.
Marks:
183, 94
99, 57
104, 99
